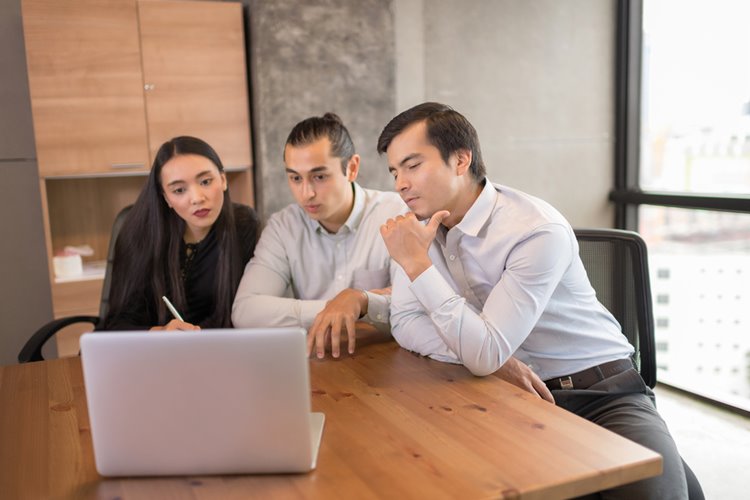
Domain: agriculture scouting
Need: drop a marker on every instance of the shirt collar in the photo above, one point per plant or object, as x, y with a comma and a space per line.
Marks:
480, 211
358, 210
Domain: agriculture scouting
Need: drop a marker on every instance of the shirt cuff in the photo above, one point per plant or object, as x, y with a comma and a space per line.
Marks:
308, 310
377, 307
431, 289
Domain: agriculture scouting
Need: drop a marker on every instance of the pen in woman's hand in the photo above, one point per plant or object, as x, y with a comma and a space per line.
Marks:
171, 308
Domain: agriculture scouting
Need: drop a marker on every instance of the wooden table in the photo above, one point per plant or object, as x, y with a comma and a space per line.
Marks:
397, 426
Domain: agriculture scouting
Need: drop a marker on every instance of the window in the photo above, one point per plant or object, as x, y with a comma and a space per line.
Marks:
695, 104
682, 181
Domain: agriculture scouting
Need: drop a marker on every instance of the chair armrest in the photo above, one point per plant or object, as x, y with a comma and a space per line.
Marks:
32, 351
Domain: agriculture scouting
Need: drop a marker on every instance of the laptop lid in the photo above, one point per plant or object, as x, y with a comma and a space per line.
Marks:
200, 402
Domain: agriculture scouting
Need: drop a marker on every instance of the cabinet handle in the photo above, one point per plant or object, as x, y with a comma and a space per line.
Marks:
127, 165
149, 86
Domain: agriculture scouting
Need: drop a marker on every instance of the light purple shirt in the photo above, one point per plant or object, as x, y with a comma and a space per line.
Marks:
507, 280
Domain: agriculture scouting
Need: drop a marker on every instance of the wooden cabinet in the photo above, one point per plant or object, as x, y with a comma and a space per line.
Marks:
207, 97
86, 84
110, 81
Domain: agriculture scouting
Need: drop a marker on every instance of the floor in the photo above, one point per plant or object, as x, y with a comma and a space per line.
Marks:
713, 441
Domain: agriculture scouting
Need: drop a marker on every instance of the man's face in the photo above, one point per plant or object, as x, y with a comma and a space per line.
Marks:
317, 183
425, 182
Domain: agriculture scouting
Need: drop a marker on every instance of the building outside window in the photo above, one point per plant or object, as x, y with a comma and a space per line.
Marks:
693, 156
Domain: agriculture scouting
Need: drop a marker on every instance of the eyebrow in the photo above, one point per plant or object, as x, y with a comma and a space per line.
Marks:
322, 168
198, 176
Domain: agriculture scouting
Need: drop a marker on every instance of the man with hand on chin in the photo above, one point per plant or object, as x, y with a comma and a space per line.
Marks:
495, 273
321, 263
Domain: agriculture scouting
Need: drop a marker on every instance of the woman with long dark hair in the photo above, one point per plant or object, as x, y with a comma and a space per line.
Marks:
183, 239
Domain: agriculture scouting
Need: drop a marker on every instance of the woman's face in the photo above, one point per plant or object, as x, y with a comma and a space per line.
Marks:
194, 188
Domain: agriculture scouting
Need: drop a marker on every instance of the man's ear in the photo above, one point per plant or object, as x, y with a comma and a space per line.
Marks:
463, 159
352, 168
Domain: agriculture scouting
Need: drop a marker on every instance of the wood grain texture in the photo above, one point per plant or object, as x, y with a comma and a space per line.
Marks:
77, 297
81, 211
195, 73
86, 85
240, 184
397, 425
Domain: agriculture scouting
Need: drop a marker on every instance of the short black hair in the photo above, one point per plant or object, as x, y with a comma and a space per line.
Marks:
447, 129
329, 125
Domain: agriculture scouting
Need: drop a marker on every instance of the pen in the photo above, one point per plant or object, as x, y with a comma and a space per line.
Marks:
171, 308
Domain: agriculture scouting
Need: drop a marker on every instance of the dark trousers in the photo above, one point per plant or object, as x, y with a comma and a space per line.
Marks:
625, 405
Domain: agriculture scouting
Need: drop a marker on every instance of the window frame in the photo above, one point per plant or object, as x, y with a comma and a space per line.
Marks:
627, 194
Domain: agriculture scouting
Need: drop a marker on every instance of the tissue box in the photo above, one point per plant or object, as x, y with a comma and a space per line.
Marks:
67, 266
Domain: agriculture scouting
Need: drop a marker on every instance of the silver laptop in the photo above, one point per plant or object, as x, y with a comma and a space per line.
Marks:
203, 402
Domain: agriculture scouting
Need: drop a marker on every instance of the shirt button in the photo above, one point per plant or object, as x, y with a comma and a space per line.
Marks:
452, 257
380, 316
339, 277
338, 245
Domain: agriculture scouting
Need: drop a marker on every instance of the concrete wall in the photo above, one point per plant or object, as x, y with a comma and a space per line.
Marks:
535, 77
309, 57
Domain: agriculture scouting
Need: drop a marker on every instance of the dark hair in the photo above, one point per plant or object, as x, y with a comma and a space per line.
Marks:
329, 125
147, 251
447, 129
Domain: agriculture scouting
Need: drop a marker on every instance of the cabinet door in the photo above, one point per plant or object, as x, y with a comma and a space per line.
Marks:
195, 77
86, 86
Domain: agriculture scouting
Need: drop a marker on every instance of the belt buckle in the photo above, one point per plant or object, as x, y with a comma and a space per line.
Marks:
566, 383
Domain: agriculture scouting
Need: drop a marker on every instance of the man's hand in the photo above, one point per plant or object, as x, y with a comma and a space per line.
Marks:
341, 311
408, 241
176, 324
520, 375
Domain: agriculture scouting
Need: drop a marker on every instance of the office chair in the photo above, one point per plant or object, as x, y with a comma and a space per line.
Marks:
32, 350
617, 265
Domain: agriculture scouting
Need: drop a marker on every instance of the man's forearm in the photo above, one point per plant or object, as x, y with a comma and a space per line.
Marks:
269, 311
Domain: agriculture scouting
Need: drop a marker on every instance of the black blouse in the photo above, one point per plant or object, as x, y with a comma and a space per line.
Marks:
199, 275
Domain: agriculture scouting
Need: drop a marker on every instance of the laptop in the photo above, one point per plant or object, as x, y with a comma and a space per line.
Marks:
201, 402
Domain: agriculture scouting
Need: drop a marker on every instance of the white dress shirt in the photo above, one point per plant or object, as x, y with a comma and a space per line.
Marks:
507, 280
298, 266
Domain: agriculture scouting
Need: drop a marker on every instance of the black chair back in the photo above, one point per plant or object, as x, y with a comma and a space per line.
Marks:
106, 286
616, 262
32, 350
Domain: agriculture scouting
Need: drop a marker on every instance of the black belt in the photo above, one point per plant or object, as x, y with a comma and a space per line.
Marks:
586, 378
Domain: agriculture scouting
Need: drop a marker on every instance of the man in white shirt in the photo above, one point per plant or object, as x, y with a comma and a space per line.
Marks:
495, 273
321, 263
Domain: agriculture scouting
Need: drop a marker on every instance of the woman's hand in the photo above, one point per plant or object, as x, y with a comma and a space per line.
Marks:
176, 324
